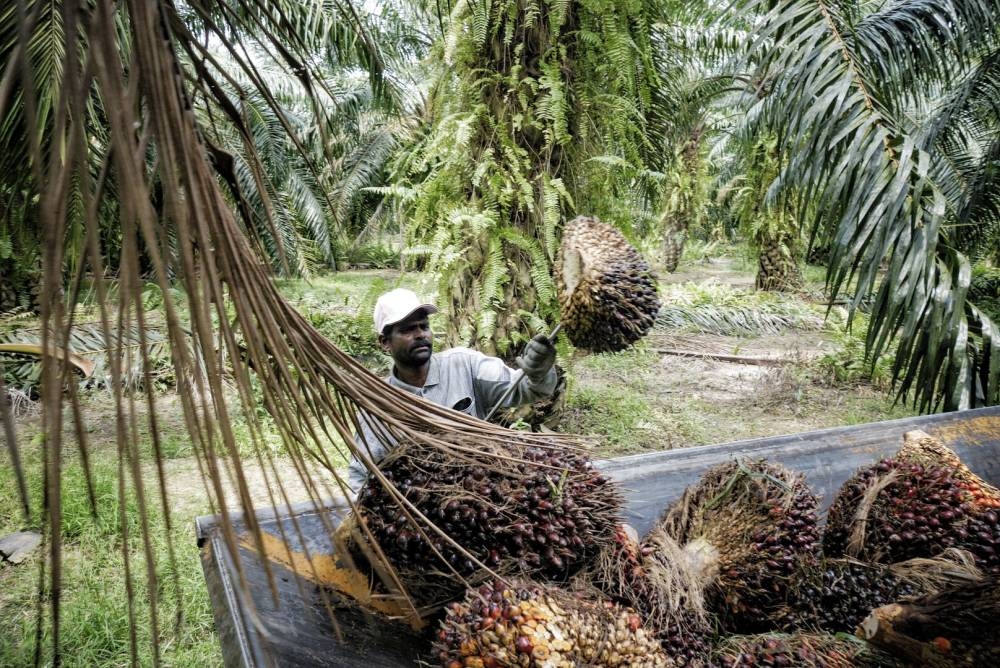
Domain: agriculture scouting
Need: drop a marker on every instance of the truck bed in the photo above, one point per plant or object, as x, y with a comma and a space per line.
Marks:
295, 628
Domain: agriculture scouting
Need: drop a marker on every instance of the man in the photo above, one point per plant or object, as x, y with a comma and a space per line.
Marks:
460, 378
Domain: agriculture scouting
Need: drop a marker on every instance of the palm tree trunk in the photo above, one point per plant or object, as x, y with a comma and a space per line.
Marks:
674, 235
777, 268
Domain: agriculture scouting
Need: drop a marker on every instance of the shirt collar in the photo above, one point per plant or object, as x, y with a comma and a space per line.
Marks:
433, 376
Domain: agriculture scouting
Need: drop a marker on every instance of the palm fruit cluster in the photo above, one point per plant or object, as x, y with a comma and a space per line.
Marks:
664, 584
530, 509
922, 448
523, 623
835, 595
607, 292
619, 570
896, 510
673, 597
951, 627
801, 650
761, 520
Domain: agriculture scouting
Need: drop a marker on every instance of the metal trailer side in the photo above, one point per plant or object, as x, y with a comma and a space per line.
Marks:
293, 628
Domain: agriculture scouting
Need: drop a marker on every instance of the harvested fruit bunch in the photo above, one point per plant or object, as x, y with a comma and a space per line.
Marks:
673, 595
759, 518
536, 510
619, 570
674, 606
529, 624
835, 595
607, 292
954, 627
802, 650
921, 448
896, 510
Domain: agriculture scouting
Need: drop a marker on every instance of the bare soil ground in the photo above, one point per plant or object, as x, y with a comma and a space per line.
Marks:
706, 388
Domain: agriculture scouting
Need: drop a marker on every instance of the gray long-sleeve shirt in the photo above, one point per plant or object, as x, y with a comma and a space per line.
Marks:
463, 378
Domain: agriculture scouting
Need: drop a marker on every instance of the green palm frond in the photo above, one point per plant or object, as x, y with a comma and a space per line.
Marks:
363, 167
834, 93
309, 213
89, 341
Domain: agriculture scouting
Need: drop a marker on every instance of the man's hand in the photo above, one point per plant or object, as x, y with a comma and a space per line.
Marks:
537, 358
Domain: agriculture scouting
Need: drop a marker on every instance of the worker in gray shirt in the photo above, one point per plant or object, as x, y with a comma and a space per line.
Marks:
460, 378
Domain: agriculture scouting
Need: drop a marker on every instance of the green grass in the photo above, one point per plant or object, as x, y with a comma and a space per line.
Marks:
94, 608
613, 397
349, 289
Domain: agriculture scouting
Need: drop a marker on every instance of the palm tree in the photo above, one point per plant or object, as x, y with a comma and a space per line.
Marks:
538, 111
773, 230
888, 128
690, 54
295, 113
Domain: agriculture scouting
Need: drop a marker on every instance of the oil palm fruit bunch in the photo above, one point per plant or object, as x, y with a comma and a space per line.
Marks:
916, 504
664, 584
758, 519
523, 623
801, 650
952, 627
673, 594
530, 509
619, 570
835, 595
607, 292
920, 447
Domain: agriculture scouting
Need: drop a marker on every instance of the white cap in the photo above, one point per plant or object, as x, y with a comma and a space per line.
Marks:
397, 305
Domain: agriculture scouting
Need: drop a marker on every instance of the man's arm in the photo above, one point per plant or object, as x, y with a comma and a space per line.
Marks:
493, 378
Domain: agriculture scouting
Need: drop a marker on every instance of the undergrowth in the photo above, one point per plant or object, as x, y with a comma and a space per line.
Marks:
94, 609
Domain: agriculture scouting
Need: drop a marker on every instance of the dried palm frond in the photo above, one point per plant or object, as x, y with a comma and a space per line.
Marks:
88, 342
174, 220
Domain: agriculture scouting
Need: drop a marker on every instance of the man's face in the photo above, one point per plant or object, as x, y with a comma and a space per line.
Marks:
409, 341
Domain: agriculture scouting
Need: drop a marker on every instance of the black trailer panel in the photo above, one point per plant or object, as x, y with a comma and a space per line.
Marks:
294, 629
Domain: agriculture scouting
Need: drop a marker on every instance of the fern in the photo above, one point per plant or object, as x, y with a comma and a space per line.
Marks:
540, 276
480, 22
552, 193
493, 277
528, 95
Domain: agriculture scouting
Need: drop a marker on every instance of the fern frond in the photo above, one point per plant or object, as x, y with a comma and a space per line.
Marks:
541, 275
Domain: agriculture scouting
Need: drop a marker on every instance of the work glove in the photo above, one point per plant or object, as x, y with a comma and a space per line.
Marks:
537, 358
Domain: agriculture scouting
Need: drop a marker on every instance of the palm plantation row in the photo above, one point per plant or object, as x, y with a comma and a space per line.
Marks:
471, 132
